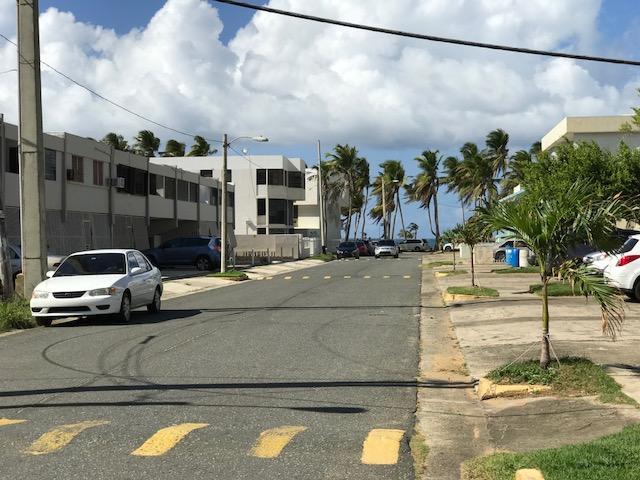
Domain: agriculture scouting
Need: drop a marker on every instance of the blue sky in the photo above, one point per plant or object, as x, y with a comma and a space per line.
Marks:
617, 24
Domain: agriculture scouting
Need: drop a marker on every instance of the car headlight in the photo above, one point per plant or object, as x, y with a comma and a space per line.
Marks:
102, 292
39, 294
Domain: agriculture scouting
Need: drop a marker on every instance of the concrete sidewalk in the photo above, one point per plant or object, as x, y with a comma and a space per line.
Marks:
187, 286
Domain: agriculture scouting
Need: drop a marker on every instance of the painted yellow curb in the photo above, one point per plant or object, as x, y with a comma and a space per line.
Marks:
451, 297
487, 389
529, 474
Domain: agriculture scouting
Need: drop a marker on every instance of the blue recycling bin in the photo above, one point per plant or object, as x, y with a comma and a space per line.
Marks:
513, 257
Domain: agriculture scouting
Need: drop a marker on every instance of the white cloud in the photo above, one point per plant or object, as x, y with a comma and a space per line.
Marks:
297, 81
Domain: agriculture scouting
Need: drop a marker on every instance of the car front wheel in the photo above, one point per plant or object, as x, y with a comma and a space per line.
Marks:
154, 306
43, 321
124, 315
203, 263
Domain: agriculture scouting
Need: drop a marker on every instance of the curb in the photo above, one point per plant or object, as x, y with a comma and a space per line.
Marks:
487, 389
457, 297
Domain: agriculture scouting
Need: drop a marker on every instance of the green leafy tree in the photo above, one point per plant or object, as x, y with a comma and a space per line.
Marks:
147, 144
200, 148
173, 148
452, 236
471, 233
116, 141
552, 224
425, 185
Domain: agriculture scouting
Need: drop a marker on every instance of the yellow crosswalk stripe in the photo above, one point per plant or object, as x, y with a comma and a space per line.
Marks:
386, 276
58, 438
9, 421
165, 439
306, 277
367, 276
406, 276
287, 278
272, 442
382, 446
347, 276
327, 277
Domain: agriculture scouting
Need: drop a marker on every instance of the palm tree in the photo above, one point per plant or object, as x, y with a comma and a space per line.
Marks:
471, 233
497, 142
520, 162
200, 148
344, 162
452, 236
147, 144
116, 141
394, 178
413, 227
425, 185
554, 224
173, 148
453, 179
406, 234
476, 182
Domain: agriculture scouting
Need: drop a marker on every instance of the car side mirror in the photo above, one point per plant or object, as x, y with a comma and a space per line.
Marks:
135, 270
49, 274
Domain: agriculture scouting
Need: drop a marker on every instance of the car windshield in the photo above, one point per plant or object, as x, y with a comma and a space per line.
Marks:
347, 245
92, 264
387, 243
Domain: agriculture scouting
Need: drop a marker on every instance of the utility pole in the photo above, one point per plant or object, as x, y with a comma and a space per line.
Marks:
223, 214
6, 275
32, 201
384, 210
323, 232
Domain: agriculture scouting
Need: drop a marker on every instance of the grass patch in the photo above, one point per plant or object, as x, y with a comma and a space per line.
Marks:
574, 376
556, 290
235, 275
614, 457
506, 271
476, 291
15, 314
325, 257
439, 263
419, 452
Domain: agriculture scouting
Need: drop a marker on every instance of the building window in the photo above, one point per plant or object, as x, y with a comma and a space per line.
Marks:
261, 176
169, 188
98, 172
277, 211
262, 206
183, 190
229, 176
295, 179
193, 192
276, 177
214, 197
206, 173
135, 180
262, 231
231, 199
295, 212
156, 184
13, 164
50, 164
76, 172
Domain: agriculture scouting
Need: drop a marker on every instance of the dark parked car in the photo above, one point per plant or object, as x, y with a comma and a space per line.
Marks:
347, 249
202, 252
362, 247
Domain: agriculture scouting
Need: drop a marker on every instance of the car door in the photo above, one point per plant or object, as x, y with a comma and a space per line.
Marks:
168, 252
136, 281
149, 285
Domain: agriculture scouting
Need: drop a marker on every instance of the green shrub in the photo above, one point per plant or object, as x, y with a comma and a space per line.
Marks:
15, 314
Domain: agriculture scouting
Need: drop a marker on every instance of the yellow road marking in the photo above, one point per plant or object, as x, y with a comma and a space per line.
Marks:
306, 277
367, 276
165, 439
406, 276
9, 421
272, 441
268, 278
56, 439
381, 447
386, 276
287, 278
347, 276
327, 277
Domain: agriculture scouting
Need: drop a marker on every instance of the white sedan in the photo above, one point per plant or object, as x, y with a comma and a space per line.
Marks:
98, 282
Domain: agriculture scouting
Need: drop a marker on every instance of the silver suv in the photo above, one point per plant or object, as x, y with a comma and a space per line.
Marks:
387, 248
412, 245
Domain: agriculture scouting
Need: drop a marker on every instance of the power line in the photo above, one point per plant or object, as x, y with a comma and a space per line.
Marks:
115, 104
432, 38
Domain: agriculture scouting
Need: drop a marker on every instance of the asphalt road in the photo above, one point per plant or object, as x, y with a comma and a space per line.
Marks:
309, 375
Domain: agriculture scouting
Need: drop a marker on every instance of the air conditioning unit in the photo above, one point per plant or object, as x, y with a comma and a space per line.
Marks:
117, 182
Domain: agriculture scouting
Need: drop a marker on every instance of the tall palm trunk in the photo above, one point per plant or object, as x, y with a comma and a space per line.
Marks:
545, 358
393, 226
357, 223
400, 208
462, 207
435, 215
473, 271
348, 228
364, 210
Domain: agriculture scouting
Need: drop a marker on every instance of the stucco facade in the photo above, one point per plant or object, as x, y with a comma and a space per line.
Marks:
606, 131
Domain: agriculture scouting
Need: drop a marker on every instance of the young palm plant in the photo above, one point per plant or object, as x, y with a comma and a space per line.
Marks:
471, 234
452, 236
553, 225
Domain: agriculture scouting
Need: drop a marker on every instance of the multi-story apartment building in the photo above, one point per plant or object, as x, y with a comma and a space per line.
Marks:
97, 197
606, 131
266, 186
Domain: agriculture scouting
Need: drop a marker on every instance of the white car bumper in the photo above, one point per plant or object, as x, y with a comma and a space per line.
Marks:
385, 251
75, 307
618, 277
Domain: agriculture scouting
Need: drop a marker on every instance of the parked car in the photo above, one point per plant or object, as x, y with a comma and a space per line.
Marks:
98, 282
15, 260
347, 249
202, 252
362, 248
428, 247
387, 248
412, 245
449, 247
623, 268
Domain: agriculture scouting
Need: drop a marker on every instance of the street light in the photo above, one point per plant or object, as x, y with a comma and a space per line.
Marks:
223, 216
384, 205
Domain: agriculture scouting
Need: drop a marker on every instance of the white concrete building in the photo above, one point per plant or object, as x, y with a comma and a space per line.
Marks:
267, 188
97, 197
606, 131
